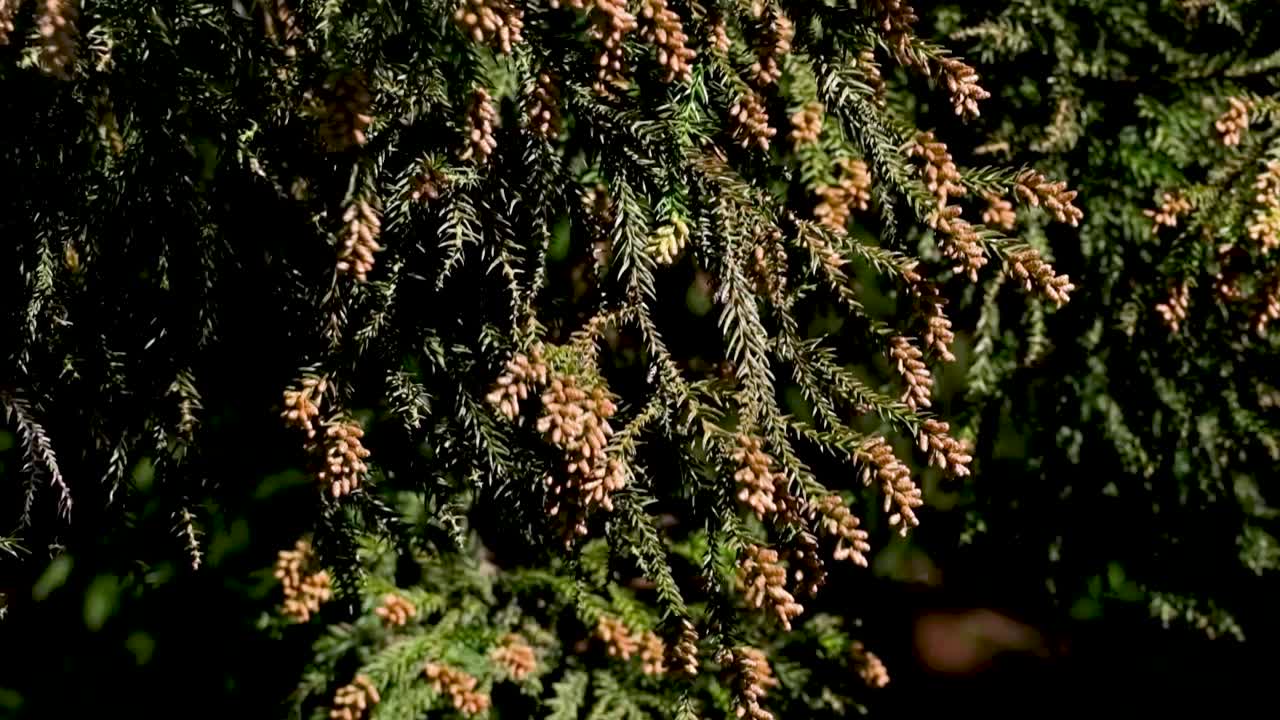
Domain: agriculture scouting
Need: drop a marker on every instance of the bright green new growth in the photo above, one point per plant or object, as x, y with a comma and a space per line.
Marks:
596, 645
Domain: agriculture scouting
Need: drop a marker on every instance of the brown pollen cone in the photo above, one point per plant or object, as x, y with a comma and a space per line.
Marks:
280, 24
684, 654
839, 522
353, 701
346, 111
900, 492
772, 44
851, 191
610, 24
495, 23
427, 185
872, 76
525, 373
1270, 307
395, 610
751, 121
459, 686
752, 680
544, 108
944, 451
1033, 272
515, 656
304, 586
869, 667
763, 579
482, 116
806, 124
1172, 206
910, 365
664, 29
362, 224
1264, 224
343, 467
1035, 189
999, 213
941, 175
576, 421
718, 39
56, 24
302, 404
1234, 121
962, 82
755, 476
617, 638
930, 302
8, 8
653, 654
1174, 310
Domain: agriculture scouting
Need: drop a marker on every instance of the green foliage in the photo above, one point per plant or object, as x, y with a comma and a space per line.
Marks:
583, 329
1161, 433
466, 607
357, 195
